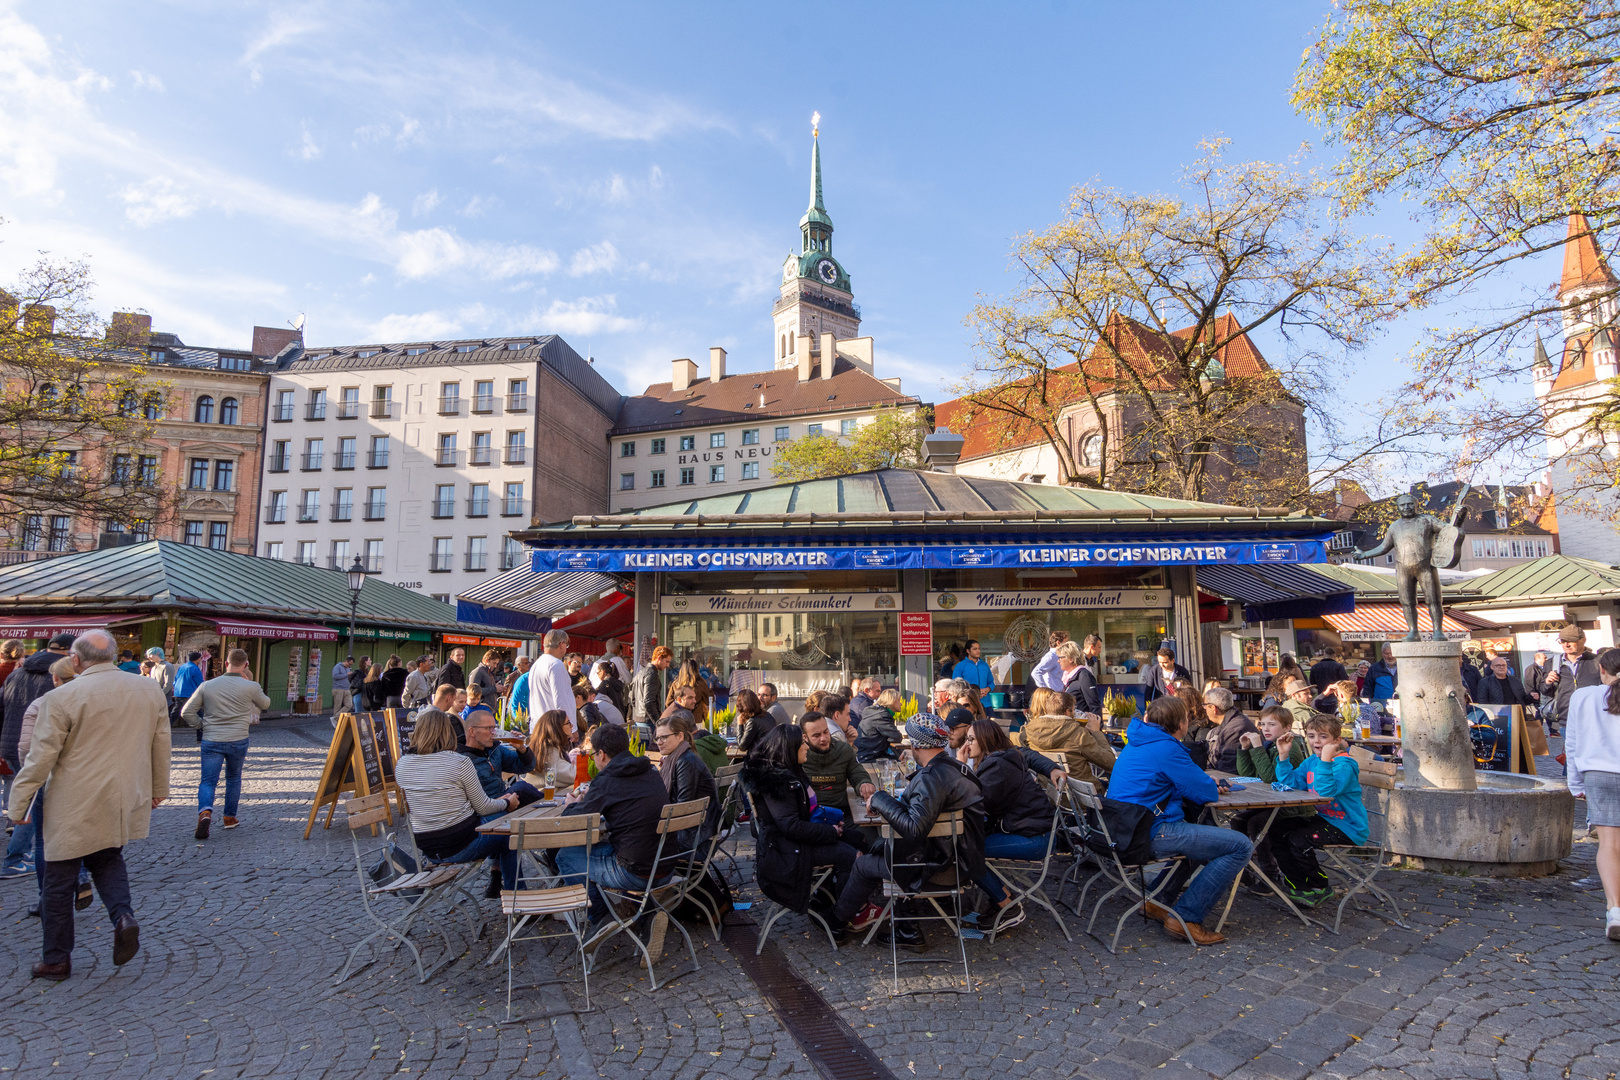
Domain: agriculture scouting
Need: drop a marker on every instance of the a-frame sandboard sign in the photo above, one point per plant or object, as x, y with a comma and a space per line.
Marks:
354, 762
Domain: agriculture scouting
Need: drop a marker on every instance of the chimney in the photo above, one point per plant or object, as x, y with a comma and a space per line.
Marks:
130, 329
270, 340
829, 356
717, 364
801, 353
942, 450
685, 374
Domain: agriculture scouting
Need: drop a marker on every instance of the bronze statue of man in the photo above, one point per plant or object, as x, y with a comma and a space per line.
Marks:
1423, 545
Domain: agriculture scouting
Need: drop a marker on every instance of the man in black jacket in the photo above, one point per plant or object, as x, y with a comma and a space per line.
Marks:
452, 674
1327, 670
939, 786
1575, 669
1499, 686
630, 795
1164, 674
647, 688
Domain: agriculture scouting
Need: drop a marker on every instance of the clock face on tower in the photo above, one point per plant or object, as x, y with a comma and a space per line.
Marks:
826, 271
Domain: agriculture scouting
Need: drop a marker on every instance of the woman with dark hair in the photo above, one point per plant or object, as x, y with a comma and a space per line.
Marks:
1017, 814
1592, 751
392, 682
752, 720
790, 843
550, 742
685, 775
609, 683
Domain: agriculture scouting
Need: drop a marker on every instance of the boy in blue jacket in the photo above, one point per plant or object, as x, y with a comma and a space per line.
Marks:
1154, 770
1332, 773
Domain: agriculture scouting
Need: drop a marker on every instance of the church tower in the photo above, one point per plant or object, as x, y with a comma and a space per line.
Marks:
816, 296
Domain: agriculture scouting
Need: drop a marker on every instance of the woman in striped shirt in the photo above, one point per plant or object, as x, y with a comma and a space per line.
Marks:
447, 802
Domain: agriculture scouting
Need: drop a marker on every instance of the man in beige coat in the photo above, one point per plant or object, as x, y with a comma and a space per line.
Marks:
102, 741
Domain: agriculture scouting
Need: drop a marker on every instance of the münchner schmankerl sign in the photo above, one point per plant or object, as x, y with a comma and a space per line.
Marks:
937, 557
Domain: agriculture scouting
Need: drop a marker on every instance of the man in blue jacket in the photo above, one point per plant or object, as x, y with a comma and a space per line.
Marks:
1154, 770
188, 677
974, 670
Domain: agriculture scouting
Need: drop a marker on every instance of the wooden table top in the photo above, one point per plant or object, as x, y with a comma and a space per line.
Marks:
1378, 740
1257, 794
502, 826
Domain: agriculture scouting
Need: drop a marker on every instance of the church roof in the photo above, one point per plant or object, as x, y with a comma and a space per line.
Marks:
1583, 262
992, 433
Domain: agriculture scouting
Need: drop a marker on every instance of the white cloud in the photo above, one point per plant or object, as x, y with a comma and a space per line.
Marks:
423, 326
408, 132
425, 202
587, 315
307, 150
594, 259
144, 81
155, 200
477, 205
284, 27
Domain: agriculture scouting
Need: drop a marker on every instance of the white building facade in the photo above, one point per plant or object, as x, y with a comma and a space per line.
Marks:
421, 458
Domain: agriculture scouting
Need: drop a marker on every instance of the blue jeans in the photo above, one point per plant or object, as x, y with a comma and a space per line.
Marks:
1000, 845
1223, 853
491, 847
603, 869
231, 755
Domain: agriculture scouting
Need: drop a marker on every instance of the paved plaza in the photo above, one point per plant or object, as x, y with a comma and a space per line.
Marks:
242, 936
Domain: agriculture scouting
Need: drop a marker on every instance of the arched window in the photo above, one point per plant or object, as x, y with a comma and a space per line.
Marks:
228, 410
205, 410
781, 345
1091, 450
790, 342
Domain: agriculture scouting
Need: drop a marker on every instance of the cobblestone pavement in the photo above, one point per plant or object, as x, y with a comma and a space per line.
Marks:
243, 934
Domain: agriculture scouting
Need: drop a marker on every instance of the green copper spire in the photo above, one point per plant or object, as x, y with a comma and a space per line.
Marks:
816, 225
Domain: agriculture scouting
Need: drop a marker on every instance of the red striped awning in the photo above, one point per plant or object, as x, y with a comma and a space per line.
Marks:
1386, 622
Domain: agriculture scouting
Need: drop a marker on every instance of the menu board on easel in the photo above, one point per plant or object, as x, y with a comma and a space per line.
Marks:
352, 764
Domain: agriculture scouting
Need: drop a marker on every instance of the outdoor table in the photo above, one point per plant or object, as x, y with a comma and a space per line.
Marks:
1258, 795
502, 826
1378, 742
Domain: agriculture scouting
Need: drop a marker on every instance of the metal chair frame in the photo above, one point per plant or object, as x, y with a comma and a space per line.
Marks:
728, 784
818, 881
1359, 864
1087, 808
711, 848
523, 907
1025, 878
427, 885
948, 826
661, 894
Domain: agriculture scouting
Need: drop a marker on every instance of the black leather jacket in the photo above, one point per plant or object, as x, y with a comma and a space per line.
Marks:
1013, 801
693, 780
943, 786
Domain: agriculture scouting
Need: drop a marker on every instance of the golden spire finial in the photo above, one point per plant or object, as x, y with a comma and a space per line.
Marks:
815, 125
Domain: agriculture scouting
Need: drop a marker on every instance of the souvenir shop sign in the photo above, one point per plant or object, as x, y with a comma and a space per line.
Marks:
777, 603
1046, 599
1011, 556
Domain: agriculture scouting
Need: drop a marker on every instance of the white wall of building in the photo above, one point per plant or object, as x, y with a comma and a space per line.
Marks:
1023, 463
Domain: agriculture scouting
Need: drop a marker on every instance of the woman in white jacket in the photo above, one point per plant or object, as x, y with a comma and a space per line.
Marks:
1592, 755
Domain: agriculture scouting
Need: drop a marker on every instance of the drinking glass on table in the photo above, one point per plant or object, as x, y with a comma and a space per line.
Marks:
550, 789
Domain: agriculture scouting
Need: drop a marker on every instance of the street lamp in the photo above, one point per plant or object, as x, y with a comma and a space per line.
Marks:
357, 581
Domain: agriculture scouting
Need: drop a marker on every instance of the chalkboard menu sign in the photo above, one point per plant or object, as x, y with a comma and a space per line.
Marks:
356, 762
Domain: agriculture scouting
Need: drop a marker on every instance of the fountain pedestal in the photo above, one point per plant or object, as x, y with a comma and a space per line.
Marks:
1435, 747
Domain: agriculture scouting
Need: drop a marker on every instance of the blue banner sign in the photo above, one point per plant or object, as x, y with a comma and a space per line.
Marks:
1013, 556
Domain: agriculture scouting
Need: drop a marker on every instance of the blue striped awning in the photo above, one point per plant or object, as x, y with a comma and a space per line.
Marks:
521, 599
1271, 592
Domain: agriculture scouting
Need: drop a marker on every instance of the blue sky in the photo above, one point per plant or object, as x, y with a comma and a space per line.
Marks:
627, 176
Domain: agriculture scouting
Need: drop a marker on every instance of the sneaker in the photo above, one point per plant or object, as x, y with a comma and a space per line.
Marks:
16, 869
865, 917
1614, 924
1008, 918
230, 822
655, 935
204, 819
1308, 898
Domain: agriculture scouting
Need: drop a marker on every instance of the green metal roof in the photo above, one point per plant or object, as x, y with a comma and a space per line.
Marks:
1554, 579
163, 574
908, 500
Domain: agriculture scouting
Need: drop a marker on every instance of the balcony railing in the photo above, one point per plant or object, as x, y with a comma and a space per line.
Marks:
341, 460
343, 512
444, 509
517, 455
478, 507
382, 410
480, 455
275, 515
476, 560
280, 462
517, 402
316, 411
450, 406
339, 562
307, 514
377, 459
305, 560
441, 563
373, 563
281, 414
484, 403
509, 560
348, 410
375, 511
512, 508
447, 457
311, 462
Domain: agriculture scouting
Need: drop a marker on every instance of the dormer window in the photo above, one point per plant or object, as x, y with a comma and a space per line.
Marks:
465, 348
517, 346
415, 352
363, 353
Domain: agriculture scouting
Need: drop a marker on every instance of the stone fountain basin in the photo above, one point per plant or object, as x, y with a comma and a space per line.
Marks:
1512, 825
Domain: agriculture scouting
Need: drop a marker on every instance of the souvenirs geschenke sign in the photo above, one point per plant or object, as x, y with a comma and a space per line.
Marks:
1012, 556
778, 603
1046, 599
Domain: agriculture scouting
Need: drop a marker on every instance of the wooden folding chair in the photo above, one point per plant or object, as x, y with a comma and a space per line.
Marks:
524, 907
1092, 830
938, 883
1358, 864
420, 889
1025, 878
661, 894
